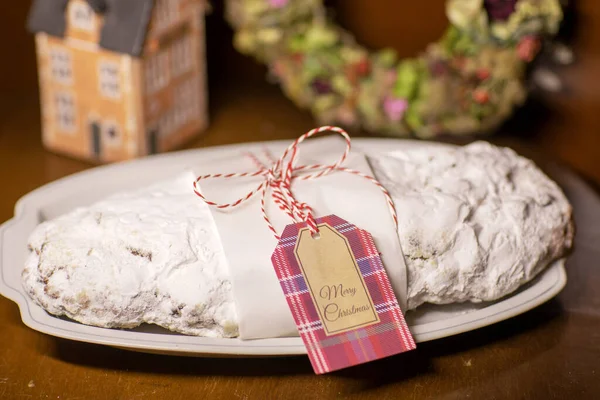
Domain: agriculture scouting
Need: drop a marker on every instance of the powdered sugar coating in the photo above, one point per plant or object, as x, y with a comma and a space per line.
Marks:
147, 256
475, 222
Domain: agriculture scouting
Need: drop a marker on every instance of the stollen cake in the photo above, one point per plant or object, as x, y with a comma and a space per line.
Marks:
475, 223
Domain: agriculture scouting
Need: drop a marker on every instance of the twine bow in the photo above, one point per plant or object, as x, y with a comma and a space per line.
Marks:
279, 177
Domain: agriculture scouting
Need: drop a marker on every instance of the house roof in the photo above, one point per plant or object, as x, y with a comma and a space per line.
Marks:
125, 22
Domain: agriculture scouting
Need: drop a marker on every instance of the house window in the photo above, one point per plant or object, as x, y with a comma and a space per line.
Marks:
181, 56
179, 115
81, 16
157, 72
109, 79
195, 102
167, 124
186, 102
112, 133
181, 94
167, 13
65, 112
60, 63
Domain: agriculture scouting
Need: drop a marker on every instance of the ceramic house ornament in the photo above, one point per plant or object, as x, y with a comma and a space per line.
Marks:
120, 79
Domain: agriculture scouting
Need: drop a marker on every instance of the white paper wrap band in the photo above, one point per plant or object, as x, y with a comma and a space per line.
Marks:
248, 243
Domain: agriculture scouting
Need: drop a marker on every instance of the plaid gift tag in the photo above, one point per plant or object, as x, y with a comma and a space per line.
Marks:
339, 294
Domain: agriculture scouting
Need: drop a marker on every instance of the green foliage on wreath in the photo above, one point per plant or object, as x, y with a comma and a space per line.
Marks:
469, 81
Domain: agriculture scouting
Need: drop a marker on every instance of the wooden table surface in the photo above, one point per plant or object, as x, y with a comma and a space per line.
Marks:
551, 352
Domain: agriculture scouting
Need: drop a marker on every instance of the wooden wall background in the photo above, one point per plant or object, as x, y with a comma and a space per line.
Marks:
566, 125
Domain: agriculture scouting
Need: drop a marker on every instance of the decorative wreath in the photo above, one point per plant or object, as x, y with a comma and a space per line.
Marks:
469, 81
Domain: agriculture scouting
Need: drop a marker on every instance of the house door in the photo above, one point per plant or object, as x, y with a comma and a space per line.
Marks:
95, 133
153, 141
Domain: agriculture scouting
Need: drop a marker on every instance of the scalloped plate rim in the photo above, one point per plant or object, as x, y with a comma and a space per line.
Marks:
544, 287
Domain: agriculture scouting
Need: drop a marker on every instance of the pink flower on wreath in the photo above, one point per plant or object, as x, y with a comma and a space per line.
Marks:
321, 86
500, 10
390, 77
395, 107
346, 116
438, 68
483, 74
278, 68
481, 96
528, 48
278, 3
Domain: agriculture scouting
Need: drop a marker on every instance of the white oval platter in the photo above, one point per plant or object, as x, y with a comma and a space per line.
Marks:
429, 322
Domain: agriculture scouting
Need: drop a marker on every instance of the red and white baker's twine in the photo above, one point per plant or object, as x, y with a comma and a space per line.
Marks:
279, 178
